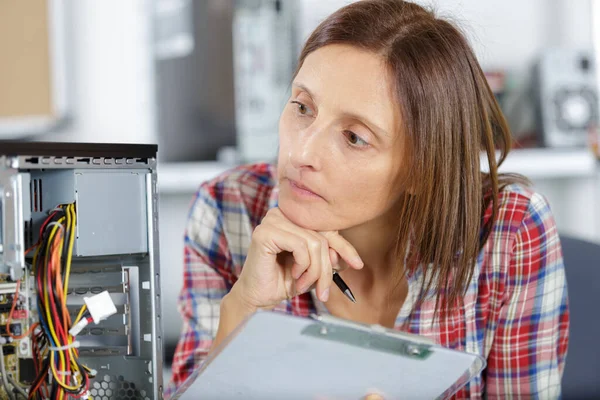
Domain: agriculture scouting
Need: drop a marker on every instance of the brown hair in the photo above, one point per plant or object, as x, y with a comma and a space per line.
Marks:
449, 115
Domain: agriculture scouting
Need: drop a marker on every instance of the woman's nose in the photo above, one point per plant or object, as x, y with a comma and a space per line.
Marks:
308, 149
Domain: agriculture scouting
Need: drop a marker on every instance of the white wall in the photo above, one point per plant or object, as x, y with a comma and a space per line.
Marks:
504, 34
574, 203
110, 72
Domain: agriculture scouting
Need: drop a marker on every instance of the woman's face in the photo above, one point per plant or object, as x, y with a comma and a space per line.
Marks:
340, 149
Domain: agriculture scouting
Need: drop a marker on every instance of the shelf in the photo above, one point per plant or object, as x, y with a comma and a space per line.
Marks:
184, 178
549, 163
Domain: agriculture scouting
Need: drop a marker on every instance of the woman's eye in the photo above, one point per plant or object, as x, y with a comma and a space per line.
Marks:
355, 140
302, 108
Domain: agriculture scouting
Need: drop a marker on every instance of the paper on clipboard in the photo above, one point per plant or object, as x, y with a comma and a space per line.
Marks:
276, 356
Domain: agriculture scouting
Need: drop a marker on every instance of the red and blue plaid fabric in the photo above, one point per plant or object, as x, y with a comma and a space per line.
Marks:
515, 312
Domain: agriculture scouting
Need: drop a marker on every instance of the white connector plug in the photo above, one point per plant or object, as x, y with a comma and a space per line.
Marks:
99, 306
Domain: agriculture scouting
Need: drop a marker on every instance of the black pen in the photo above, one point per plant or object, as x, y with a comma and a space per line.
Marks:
343, 287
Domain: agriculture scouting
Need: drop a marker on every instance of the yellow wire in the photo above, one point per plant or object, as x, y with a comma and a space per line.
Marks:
45, 287
51, 327
55, 373
72, 223
83, 308
64, 299
64, 367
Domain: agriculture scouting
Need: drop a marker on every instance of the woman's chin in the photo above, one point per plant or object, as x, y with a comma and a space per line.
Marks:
307, 217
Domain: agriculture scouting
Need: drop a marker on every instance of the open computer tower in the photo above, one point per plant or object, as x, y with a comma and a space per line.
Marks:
78, 226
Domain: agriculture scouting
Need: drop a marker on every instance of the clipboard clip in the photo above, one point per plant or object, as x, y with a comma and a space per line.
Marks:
370, 337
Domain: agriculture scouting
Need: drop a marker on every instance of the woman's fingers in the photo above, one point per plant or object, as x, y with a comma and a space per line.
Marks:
319, 274
324, 251
343, 248
334, 259
326, 278
279, 240
298, 270
313, 272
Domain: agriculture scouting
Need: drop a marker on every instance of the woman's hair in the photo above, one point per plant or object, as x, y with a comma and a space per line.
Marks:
448, 115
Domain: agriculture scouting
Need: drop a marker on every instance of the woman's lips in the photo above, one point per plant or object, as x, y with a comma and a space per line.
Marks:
302, 190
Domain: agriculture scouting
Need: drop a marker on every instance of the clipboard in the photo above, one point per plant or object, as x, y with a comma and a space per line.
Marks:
272, 355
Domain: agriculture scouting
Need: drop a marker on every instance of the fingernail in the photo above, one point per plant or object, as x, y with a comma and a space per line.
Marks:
359, 262
325, 295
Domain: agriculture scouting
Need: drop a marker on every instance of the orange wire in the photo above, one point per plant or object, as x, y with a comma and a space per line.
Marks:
54, 272
60, 289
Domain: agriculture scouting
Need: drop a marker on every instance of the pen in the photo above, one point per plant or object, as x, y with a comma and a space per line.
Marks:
343, 287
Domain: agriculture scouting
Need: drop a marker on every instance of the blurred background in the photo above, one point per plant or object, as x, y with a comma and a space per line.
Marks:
207, 79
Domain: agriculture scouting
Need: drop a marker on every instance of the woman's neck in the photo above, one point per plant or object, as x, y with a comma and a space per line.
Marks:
378, 286
375, 242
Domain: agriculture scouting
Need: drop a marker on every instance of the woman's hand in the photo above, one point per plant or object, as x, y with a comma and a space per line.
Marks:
285, 260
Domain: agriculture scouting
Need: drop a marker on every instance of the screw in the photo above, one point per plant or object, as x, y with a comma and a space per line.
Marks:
414, 350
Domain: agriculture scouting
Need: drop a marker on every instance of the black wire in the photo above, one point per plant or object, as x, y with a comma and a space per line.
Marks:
54, 391
41, 377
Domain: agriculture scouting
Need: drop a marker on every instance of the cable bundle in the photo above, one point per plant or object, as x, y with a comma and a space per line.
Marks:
60, 375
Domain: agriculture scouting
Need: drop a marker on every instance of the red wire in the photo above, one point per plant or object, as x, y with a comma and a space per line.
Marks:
40, 237
57, 324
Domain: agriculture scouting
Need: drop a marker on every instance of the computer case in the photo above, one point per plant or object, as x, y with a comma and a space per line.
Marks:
112, 190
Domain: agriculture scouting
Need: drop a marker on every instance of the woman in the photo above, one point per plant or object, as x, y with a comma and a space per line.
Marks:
378, 176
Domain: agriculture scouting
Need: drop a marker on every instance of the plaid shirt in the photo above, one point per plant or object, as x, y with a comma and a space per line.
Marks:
515, 311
